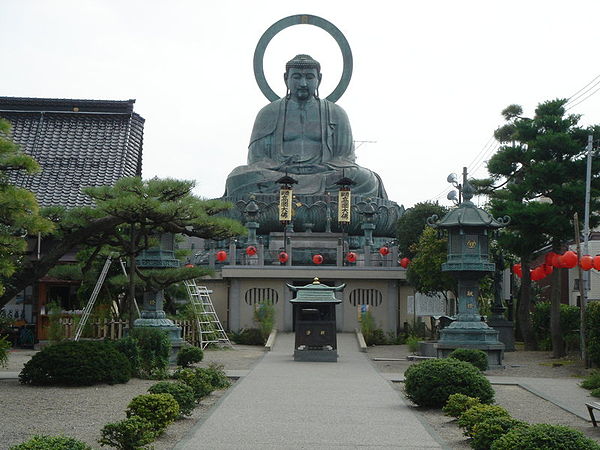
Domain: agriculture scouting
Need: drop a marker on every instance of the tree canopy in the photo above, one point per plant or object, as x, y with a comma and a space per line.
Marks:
538, 178
148, 207
411, 225
19, 210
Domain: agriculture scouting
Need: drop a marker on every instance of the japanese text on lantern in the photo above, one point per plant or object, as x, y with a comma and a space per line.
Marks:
344, 206
285, 205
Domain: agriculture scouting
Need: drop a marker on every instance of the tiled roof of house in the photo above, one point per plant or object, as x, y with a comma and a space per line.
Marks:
78, 143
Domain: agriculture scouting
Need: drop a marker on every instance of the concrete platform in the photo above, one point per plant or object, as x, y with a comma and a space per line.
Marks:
287, 404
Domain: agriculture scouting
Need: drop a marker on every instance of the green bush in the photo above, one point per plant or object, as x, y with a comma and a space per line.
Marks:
476, 357
189, 355
4, 348
369, 330
216, 376
592, 331
569, 324
544, 436
158, 409
592, 381
478, 414
56, 331
413, 343
431, 382
128, 434
198, 381
248, 336
264, 315
52, 443
458, 404
76, 363
595, 392
128, 347
485, 433
154, 348
181, 392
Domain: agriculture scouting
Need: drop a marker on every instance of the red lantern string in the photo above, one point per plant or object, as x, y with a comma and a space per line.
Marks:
221, 256
384, 251
351, 257
404, 262
317, 259
586, 262
283, 257
597, 262
556, 260
549, 258
517, 270
569, 259
548, 269
251, 250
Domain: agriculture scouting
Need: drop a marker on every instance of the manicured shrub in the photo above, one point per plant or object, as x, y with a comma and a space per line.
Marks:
128, 346
248, 336
544, 436
431, 382
216, 376
458, 404
189, 355
592, 381
476, 357
154, 348
52, 443
128, 434
76, 363
200, 382
158, 409
595, 392
485, 433
181, 392
478, 414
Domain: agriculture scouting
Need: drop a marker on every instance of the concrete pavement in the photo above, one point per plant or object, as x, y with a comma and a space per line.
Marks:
285, 404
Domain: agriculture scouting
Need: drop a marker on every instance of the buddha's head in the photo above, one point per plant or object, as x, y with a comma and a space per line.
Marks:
302, 77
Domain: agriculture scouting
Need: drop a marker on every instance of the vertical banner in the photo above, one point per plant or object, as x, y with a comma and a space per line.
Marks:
285, 205
344, 206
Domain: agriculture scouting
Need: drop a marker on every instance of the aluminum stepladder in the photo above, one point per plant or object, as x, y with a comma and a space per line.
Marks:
90, 304
209, 326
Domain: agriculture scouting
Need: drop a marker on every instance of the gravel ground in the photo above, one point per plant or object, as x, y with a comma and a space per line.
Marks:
81, 412
521, 404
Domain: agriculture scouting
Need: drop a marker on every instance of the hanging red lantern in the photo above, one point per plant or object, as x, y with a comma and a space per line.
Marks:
351, 257
517, 270
556, 260
251, 250
549, 258
548, 269
221, 255
537, 274
317, 259
569, 259
189, 265
586, 262
597, 262
404, 262
283, 257
384, 251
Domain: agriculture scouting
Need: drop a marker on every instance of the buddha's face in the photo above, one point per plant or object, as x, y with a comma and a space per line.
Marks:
302, 83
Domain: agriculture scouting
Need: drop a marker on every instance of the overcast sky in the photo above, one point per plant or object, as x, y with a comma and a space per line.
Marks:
430, 77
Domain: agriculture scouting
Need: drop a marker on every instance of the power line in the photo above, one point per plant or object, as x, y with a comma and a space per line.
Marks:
573, 97
584, 98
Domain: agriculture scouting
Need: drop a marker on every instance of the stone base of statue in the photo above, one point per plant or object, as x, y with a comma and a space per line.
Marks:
473, 335
322, 355
153, 316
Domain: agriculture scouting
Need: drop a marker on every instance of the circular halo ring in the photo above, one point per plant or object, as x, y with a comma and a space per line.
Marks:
299, 19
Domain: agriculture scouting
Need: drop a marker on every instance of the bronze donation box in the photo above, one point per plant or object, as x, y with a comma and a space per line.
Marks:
314, 310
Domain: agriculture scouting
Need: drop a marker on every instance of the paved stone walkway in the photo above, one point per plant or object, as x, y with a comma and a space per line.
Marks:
284, 404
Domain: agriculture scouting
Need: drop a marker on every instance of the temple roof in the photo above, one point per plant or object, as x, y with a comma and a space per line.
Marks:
78, 143
468, 215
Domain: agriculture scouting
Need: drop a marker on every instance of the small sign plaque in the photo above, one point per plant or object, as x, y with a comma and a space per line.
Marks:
285, 205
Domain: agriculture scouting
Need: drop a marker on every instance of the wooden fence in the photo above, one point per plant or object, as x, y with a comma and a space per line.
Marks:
116, 329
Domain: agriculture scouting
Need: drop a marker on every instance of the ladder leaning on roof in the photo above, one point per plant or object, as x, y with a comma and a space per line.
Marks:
210, 329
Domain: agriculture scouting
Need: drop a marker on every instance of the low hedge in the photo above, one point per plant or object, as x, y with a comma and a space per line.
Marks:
128, 434
189, 355
76, 363
544, 436
431, 382
485, 433
476, 357
42, 442
158, 409
458, 404
477, 414
181, 392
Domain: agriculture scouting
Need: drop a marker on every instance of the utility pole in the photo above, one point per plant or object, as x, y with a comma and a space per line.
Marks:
585, 278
